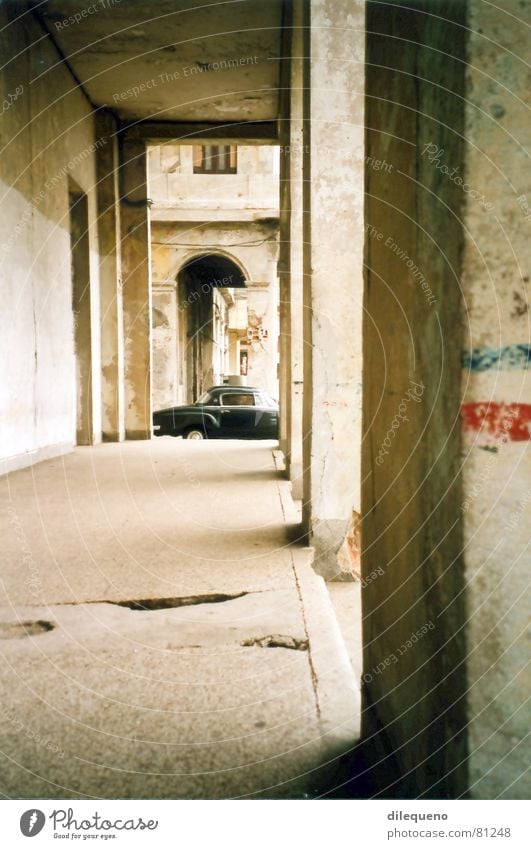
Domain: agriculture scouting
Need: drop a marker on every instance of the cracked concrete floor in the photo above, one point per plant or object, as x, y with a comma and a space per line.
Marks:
185, 648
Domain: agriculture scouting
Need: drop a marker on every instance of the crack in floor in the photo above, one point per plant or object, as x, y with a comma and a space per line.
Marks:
179, 601
277, 641
160, 603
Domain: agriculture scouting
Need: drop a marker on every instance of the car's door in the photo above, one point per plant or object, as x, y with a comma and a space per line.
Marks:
237, 414
210, 411
266, 418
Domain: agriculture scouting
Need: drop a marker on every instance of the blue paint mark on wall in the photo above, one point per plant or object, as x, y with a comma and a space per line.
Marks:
507, 358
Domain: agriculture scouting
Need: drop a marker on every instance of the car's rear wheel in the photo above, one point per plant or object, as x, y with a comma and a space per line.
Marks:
194, 433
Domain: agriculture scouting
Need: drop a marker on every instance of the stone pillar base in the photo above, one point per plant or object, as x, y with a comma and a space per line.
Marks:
327, 537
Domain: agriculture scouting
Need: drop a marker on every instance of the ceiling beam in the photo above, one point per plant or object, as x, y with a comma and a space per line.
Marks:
240, 132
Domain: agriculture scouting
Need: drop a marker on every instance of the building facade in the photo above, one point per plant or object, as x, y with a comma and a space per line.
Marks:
214, 236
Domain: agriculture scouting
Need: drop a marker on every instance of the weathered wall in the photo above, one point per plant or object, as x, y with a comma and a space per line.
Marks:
496, 503
48, 134
413, 599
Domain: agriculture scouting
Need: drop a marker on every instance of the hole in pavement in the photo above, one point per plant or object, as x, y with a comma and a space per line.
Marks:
15, 630
182, 601
277, 641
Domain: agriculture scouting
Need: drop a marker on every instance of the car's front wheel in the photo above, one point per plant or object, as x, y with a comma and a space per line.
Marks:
194, 433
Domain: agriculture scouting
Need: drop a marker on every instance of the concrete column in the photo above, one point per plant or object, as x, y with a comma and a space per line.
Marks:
412, 550
284, 345
296, 377
136, 272
333, 161
111, 322
284, 352
290, 264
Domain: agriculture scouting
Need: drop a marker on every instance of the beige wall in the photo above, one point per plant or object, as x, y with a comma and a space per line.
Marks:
49, 135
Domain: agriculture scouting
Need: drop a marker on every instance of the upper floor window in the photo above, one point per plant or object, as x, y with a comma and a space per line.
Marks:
215, 159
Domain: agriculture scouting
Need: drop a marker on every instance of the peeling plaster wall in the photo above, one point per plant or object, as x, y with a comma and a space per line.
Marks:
497, 333
47, 126
413, 594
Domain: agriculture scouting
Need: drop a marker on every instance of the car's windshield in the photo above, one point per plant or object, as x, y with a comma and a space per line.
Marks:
204, 399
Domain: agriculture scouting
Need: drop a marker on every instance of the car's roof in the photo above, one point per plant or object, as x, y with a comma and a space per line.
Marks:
230, 386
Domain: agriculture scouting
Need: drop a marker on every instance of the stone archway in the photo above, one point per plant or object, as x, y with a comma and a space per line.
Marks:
193, 346
204, 300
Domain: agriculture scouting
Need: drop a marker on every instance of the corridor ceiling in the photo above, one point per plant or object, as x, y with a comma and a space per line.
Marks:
172, 60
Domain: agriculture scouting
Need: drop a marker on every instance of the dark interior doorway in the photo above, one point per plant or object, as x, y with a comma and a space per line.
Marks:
198, 333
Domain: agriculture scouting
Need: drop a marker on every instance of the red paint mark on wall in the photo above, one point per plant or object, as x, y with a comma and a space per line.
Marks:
498, 421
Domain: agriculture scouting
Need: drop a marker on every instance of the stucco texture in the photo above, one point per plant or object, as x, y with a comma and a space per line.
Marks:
497, 466
48, 133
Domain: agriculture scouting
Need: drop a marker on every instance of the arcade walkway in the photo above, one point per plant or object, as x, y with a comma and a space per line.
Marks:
178, 645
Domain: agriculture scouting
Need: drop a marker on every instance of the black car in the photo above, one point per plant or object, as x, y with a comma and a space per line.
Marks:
224, 412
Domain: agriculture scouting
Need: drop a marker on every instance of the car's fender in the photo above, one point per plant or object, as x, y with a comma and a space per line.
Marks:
174, 422
204, 420
208, 420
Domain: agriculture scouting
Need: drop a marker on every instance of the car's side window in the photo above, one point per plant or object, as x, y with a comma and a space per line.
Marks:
238, 399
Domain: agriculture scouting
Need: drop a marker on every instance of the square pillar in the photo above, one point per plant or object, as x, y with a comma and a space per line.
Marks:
412, 547
136, 279
333, 180
284, 343
291, 302
111, 321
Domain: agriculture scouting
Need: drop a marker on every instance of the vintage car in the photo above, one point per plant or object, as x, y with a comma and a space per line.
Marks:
223, 412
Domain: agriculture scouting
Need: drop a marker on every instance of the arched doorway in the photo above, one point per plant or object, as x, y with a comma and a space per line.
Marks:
208, 351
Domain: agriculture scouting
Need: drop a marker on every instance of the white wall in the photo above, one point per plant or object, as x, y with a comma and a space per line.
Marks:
48, 132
